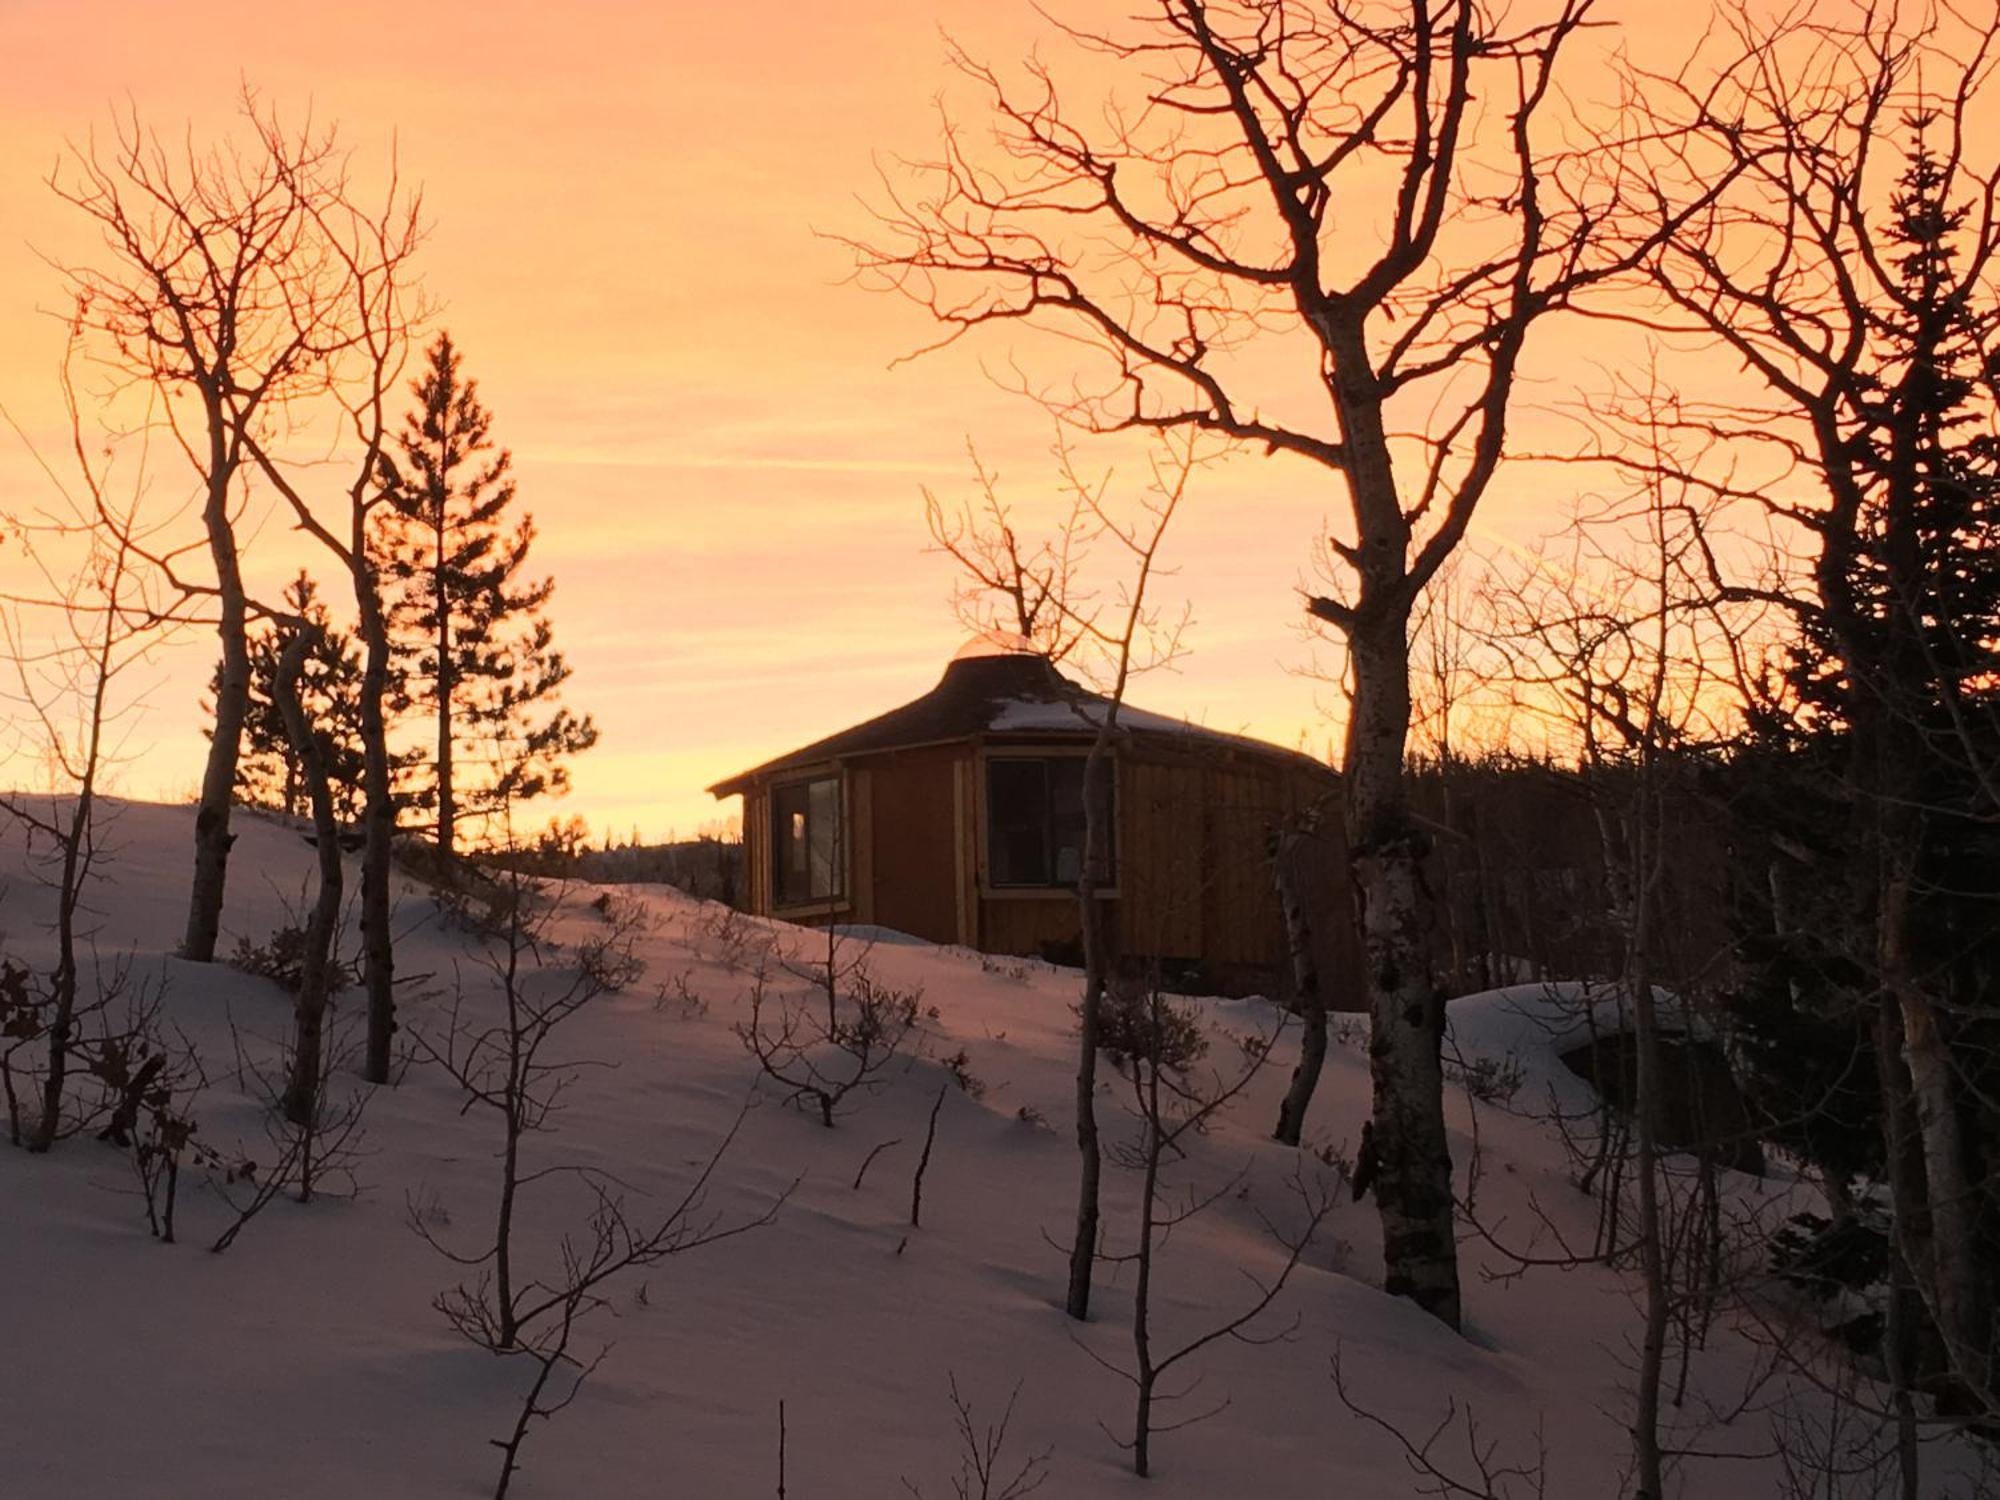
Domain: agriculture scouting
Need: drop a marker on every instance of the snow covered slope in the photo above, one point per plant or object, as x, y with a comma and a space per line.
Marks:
308, 1360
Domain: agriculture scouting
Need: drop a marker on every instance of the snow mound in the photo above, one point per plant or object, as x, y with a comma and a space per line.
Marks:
309, 1360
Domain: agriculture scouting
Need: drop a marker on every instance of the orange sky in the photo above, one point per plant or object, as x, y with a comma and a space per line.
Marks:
724, 468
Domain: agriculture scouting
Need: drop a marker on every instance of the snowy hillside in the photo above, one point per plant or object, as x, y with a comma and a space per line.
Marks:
308, 1359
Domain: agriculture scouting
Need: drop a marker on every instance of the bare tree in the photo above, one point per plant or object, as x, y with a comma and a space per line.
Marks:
1166, 236
502, 1067
213, 285
1114, 637
1174, 1102
1617, 646
1857, 286
983, 1471
261, 279
1485, 1472
835, 1048
369, 249
1291, 844
505, 1068
301, 1098
1006, 588
96, 616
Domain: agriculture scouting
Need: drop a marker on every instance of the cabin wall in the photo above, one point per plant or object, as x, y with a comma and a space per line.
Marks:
1242, 807
1033, 924
1212, 898
757, 850
1163, 853
1201, 883
1195, 881
911, 842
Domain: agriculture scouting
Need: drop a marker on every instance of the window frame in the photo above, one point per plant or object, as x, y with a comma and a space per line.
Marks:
777, 843
993, 889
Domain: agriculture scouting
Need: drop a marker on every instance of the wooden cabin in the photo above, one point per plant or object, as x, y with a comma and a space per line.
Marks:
959, 818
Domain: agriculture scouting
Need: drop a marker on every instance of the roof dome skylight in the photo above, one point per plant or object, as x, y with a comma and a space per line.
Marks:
996, 642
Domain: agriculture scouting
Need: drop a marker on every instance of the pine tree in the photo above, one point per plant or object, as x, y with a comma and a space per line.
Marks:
268, 773
1872, 1002
475, 649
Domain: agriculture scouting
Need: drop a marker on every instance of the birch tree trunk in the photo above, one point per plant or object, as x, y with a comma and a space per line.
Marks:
1097, 961
1636, 902
1306, 982
1953, 1285
302, 1086
378, 816
63, 983
212, 838
1909, 1257
447, 804
1406, 1009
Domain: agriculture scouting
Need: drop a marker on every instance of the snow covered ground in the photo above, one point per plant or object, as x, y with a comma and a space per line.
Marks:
308, 1360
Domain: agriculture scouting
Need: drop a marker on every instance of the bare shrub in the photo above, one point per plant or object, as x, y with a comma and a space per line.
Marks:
313, 1145
507, 1069
1171, 1106
1483, 1472
1136, 1025
281, 957
826, 1050
985, 1471
148, 1082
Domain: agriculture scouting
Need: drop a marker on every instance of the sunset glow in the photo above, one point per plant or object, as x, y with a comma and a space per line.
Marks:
632, 209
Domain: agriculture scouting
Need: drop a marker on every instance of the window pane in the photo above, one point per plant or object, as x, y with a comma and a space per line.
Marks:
823, 838
805, 841
1066, 818
788, 842
1017, 822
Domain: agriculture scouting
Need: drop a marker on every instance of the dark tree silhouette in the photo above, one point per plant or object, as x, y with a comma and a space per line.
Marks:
1164, 236
269, 772
211, 289
470, 631
1857, 286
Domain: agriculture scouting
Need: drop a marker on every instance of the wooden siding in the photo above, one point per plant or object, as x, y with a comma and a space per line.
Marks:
1030, 923
910, 875
1194, 883
1161, 851
757, 850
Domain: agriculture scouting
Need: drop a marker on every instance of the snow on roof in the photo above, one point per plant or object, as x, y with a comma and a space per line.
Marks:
996, 691
1025, 714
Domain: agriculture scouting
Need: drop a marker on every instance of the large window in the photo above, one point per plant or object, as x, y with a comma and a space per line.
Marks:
1034, 821
806, 841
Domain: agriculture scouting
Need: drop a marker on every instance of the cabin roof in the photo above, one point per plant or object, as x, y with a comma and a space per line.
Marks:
1017, 693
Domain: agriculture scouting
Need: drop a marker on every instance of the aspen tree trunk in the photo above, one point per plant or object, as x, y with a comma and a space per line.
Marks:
447, 808
63, 983
1648, 1481
76, 855
378, 818
1097, 960
1954, 1281
1909, 1257
212, 837
1648, 1476
515, 1104
1306, 981
1894, 689
1142, 1291
1413, 1186
301, 1098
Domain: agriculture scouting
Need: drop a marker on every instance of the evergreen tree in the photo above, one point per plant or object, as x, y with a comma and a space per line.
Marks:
1878, 793
474, 646
268, 773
